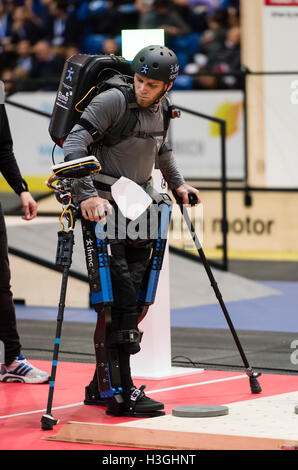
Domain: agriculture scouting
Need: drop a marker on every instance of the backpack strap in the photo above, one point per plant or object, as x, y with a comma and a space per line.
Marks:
90, 128
125, 126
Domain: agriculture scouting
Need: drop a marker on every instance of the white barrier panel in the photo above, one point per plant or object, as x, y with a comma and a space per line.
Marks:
280, 23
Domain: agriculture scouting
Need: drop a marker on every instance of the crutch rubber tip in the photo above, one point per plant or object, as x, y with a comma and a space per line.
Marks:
254, 385
47, 422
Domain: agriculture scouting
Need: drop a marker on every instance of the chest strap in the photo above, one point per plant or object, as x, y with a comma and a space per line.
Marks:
139, 134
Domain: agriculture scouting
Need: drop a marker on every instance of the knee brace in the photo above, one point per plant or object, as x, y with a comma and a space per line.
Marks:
128, 335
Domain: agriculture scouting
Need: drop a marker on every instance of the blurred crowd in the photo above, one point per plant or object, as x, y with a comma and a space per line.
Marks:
36, 36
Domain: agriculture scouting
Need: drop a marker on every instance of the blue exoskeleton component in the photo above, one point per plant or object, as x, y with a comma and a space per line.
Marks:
97, 260
105, 295
101, 298
147, 291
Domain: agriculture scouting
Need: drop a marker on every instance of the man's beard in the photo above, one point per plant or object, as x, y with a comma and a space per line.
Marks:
147, 104
143, 103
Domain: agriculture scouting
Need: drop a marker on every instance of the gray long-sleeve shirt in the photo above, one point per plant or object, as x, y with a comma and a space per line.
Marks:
133, 157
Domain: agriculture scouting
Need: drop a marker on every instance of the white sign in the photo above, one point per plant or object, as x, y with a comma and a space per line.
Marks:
281, 110
133, 40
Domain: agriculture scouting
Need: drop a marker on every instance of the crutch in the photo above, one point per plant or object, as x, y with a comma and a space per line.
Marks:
63, 260
254, 384
61, 182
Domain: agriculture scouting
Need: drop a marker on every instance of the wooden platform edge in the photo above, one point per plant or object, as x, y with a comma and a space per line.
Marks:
158, 439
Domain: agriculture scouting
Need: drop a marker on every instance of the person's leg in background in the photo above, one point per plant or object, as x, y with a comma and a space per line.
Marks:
15, 368
8, 326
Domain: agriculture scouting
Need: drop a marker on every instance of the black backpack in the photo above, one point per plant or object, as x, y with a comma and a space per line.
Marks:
83, 77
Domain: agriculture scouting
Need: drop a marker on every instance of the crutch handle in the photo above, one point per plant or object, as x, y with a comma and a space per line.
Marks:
192, 198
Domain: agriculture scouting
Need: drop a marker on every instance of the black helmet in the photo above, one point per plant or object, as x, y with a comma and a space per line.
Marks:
156, 62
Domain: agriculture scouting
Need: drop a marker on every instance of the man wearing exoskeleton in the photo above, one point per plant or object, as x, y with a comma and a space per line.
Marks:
117, 336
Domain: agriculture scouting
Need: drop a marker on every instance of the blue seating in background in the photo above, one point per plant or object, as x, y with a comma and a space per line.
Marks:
183, 60
118, 40
127, 8
183, 82
186, 44
93, 44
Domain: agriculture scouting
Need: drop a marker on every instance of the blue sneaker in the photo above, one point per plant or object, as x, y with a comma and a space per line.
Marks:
20, 370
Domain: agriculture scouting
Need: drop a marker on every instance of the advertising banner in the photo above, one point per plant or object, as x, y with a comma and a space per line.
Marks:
196, 142
264, 230
33, 145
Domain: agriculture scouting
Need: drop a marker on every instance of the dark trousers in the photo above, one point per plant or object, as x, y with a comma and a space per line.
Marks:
8, 327
127, 265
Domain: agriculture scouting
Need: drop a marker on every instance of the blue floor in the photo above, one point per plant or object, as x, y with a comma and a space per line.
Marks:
272, 313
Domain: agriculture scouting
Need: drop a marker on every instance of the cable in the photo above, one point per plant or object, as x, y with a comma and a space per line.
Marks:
233, 366
53, 150
194, 364
79, 102
98, 87
188, 359
64, 212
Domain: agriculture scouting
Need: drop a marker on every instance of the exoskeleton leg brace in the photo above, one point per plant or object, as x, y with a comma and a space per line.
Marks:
106, 339
101, 298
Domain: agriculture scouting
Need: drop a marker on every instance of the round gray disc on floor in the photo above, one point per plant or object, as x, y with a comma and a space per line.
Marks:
296, 410
200, 411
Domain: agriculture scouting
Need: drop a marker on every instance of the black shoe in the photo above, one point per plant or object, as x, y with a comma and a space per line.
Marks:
92, 396
138, 405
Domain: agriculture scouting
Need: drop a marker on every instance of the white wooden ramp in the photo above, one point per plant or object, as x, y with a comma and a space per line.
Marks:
268, 423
